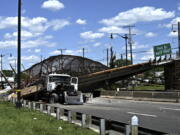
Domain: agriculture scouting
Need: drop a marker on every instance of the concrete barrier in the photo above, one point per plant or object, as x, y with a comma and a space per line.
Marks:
144, 95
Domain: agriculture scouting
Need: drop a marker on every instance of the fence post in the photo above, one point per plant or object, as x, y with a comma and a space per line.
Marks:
134, 125
69, 116
58, 113
83, 121
102, 127
61, 111
49, 110
89, 120
29, 104
41, 107
128, 130
34, 105
24, 103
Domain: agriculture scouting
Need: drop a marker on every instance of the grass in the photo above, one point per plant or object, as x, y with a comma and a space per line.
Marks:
21, 122
150, 87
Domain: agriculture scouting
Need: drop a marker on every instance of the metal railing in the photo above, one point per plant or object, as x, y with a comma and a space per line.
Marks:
101, 125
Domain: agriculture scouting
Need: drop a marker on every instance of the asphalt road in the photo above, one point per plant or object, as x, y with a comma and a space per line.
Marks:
163, 117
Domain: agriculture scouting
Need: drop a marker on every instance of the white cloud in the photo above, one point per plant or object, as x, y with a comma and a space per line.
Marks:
37, 50
113, 29
56, 52
24, 35
53, 5
33, 31
150, 34
97, 44
67, 52
30, 59
148, 55
80, 21
37, 24
73, 52
139, 14
27, 43
8, 44
59, 24
91, 35
174, 21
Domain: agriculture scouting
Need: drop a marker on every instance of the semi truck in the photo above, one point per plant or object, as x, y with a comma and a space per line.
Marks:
60, 88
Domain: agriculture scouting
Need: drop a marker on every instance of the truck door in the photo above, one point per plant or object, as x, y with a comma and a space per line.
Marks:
74, 81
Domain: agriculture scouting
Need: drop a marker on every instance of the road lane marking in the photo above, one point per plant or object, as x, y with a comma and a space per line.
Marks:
174, 109
148, 115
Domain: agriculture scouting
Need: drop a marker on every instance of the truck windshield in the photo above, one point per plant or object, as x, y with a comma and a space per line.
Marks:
65, 79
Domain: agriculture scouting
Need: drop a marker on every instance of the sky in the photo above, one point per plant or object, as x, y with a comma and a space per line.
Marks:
49, 25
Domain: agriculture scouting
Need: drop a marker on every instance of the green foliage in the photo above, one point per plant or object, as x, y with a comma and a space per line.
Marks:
21, 122
8, 73
122, 62
150, 87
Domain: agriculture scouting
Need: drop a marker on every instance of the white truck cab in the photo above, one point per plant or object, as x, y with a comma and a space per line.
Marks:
63, 87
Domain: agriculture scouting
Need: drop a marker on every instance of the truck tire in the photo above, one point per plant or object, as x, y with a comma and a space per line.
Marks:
53, 98
61, 98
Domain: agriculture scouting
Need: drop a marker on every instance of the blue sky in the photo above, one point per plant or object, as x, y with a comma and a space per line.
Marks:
49, 25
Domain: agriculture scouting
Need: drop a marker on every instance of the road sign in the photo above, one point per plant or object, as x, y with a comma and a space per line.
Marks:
161, 50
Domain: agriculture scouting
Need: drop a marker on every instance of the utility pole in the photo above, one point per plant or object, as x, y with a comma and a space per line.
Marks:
130, 40
178, 31
179, 37
2, 70
107, 57
61, 50
19, 47
126, 38
83, 52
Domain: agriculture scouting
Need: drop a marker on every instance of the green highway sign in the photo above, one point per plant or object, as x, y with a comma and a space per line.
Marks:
161, 50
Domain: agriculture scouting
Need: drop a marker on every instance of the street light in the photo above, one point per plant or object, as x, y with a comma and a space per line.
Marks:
124, 37
178, 31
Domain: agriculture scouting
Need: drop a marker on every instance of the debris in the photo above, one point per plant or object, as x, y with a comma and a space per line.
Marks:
59, 128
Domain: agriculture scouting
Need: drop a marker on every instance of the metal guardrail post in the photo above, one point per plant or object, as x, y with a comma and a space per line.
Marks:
41, 107
134, 125
89, 120
34, 105
29, 104
69, 116
102, 127
49, 110
128, 130
24, 103
83, 121
61, 111
58, 113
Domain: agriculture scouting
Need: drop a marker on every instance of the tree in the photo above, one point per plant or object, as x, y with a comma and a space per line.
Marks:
8, 73
121, 62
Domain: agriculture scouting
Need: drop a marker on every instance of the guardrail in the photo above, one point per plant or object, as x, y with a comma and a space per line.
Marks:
101, 125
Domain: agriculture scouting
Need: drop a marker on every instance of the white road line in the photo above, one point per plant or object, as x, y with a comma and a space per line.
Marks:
148, 115
174, 109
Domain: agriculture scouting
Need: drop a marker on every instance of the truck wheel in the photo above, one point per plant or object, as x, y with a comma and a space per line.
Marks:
53, 98
61, 98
